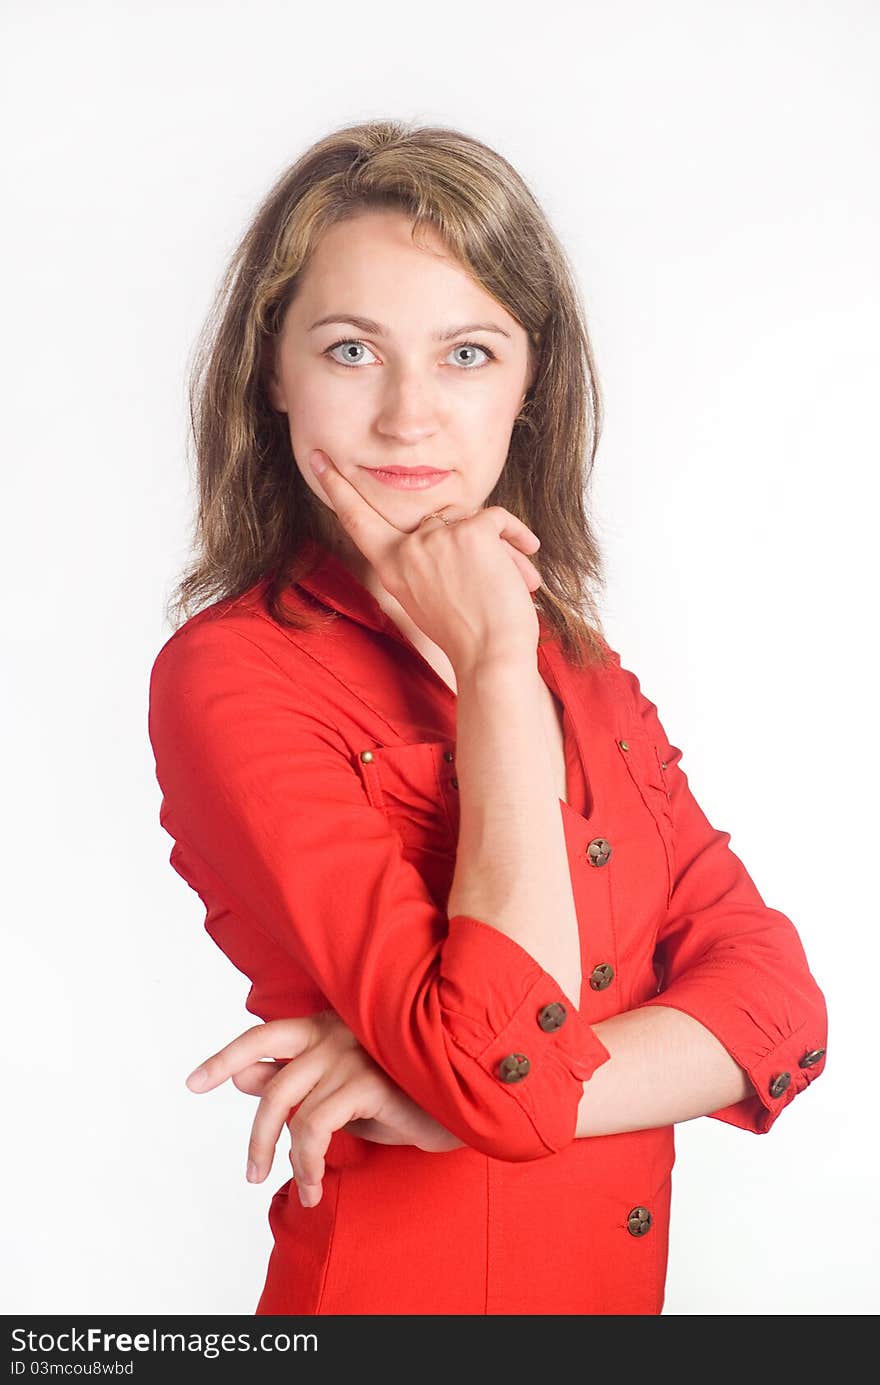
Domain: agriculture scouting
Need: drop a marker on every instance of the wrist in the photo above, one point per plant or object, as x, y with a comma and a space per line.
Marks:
502, 669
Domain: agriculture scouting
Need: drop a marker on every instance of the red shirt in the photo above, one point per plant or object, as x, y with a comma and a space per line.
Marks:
308, 782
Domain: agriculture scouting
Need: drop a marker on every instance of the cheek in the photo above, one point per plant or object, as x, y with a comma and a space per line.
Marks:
491, 416
493, 428
314, 400
316, 418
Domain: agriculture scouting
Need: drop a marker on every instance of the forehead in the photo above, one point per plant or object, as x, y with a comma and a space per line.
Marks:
370, 266
378, 233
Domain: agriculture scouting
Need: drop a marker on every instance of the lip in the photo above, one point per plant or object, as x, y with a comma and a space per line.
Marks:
406, 478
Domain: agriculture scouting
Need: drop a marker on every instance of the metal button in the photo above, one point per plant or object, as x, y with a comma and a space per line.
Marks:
780, 1084
601, 976
454, 783
639, 1221
513, 1068
448, 755
624, 745
366, 756
598, 851
809, 1059
552, 1016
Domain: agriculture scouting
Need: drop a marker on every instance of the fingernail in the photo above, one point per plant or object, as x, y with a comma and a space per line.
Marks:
198, 1080
251, 1174
319, 464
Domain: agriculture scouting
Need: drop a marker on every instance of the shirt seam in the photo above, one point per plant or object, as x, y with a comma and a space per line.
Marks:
296, 644
340, 1172
280, 667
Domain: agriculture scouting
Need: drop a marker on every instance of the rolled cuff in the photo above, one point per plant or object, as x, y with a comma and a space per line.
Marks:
511, 1017
779, 1066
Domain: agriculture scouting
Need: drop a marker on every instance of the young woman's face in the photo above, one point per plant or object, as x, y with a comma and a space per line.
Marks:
393, 394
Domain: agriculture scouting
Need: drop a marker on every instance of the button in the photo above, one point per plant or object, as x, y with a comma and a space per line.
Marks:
639, 1221
448, 755
663, 764
780, 1084
454, 783
513, 1068
552, 1016
366, 756
598, 851
624, 745
601, 976
809, 1059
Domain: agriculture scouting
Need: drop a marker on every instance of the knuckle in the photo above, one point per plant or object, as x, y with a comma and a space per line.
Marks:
257, 1029
305, 1129
298, 1126
274, 1101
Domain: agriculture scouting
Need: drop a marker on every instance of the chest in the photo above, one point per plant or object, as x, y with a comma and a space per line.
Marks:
617, 824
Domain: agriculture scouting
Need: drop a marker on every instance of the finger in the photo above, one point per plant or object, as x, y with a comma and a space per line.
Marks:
288, 1089
255, 1078
517, 533
371, 531
374, 1130
285, 1038
511, 527
312, 1127
531, 575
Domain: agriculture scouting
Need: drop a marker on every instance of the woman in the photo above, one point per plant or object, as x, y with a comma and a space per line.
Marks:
496, 946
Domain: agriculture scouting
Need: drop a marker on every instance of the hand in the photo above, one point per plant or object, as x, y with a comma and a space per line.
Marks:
333, 1082
467, 584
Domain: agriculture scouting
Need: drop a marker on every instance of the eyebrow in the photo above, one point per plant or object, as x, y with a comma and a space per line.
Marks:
367, 324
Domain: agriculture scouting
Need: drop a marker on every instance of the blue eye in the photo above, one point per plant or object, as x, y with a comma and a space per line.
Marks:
474, 346
351, 341
346, 341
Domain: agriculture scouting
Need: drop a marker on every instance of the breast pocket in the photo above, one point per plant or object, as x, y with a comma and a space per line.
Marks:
415, 786
648, 771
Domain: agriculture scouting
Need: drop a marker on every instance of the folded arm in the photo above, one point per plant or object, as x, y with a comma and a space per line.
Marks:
273, 830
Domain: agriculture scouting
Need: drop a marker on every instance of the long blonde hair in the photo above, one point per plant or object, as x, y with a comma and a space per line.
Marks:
254, 510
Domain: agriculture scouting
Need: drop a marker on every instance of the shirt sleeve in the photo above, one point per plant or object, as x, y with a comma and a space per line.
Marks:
727, 959
266, 804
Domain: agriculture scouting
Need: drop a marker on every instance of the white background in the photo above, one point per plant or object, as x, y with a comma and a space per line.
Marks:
711, 170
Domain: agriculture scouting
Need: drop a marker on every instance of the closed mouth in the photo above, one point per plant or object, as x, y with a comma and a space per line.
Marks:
409, 470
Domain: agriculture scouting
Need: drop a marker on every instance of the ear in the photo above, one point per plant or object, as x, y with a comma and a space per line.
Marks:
269, 376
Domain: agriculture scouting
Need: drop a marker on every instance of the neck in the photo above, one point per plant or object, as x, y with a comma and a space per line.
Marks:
334, 537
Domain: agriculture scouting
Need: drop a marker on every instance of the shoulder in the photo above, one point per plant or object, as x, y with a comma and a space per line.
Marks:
231, 681
607, 680
595, 673
228, 626
235, 645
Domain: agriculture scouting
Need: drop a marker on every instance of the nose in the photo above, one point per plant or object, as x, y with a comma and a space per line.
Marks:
408, 409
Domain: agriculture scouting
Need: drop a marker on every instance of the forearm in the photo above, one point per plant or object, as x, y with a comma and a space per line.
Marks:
512, 867
664, 1067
